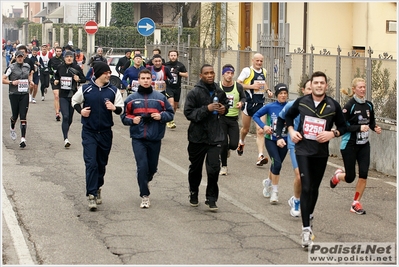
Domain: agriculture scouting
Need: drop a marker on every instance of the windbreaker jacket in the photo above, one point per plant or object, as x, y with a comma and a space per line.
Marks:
204, 125
92, 96
328, 109
141, 104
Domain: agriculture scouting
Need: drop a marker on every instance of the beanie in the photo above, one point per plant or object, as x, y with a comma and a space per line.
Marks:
280, 87
68, 53
99, 68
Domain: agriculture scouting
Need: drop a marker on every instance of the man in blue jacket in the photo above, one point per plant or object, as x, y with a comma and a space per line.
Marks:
99, 99
146, 112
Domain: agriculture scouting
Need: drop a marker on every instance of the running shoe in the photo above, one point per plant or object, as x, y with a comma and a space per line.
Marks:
307, 238
145, 202
42, 98
240, 149
99, 200
267, 187
274, 198
172, 125
23, 143
57, 117
92, 203
223, 170
13, 134
211, 204
67, 143
295, 207
194, 199
33, 101
262, 160
357, 208
335, 180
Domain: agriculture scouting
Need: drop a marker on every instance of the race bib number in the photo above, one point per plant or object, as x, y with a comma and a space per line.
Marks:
362, 138
261, 89
66, 83
23, 85
312, 126
159, 86
134, 85
230, 98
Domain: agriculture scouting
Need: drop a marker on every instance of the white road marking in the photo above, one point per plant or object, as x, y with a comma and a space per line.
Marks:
20, 245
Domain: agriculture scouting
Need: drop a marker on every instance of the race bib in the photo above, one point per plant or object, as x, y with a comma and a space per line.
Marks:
312, 126
230, 98
23, 85
362, 138
159, 86
66, 83
134, 85
175, 78
261, 90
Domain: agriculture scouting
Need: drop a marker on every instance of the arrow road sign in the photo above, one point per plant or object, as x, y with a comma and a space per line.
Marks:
146, 26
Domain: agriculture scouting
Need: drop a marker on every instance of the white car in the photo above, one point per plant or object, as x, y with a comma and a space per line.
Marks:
116, 79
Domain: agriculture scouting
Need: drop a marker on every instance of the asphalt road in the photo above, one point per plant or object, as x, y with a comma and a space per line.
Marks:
45, 188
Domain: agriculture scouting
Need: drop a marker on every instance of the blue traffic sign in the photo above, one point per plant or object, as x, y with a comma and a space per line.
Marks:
146, 26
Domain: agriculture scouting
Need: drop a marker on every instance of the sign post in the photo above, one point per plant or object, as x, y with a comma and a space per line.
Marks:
91, 27
145, 27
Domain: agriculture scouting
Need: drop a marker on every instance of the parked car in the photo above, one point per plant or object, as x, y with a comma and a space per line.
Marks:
116, 79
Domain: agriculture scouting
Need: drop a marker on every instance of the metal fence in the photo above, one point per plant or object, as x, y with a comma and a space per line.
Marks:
291, 68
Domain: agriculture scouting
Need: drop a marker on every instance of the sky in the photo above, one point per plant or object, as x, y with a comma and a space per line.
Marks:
6, 6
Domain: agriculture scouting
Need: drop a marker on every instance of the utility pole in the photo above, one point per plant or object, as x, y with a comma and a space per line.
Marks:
179, 27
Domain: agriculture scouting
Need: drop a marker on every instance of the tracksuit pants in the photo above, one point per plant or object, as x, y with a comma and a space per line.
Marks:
146, 154
96, 149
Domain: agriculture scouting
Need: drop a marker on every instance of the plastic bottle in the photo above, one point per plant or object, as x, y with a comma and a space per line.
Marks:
215, 100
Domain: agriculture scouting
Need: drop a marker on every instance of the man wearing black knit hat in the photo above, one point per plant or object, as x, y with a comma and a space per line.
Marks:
99, 99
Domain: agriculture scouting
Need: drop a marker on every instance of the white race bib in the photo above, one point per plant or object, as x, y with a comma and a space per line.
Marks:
134, 85
66, 83
23, 85
261, 90
362, 138
312, 126
159, 86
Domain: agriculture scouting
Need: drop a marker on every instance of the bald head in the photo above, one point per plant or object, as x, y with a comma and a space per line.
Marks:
257, 61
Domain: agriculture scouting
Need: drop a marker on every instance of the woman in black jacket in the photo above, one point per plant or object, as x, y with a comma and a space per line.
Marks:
68, 76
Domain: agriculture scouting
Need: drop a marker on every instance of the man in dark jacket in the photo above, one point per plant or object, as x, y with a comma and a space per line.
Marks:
146, 112
204, 104
99, 99
120, 66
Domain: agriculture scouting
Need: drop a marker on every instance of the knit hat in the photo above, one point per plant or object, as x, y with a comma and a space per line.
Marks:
35, 48
99, 68
68, 53
280, 87
19, 53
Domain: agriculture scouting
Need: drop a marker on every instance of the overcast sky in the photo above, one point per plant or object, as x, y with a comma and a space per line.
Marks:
6, 7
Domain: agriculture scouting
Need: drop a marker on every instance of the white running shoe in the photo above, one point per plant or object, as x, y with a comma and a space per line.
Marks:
33, 101
13, 134
307, 238
223, 170
42, 98
274, 198
23, 142
145, 202
267, 187
67, 143
92, 202
295, 207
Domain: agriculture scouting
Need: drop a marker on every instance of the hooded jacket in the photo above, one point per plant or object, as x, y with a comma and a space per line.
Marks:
204, 125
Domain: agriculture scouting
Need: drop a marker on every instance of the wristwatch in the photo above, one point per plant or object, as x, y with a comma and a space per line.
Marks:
10, 83
336, 133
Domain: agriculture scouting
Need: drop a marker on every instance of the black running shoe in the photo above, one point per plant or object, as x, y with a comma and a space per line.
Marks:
194, 199
211, 204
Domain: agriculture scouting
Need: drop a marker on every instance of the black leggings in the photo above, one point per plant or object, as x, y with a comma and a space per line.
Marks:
351, 154
44, 82
312, 171
232, 134
67, 114
19, 107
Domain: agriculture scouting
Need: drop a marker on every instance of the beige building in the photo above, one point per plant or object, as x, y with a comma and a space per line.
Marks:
353, 26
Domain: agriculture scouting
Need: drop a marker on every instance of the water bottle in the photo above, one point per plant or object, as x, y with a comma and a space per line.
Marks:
215, 100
